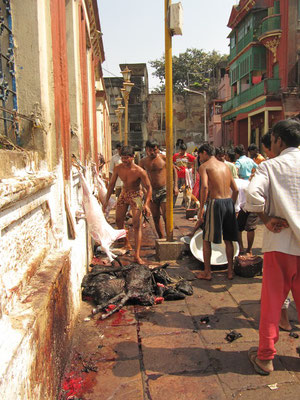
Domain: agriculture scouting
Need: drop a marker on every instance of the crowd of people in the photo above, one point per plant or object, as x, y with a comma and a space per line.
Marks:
235, 192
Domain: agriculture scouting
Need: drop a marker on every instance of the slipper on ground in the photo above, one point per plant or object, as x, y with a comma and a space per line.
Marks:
285, 330
252, 354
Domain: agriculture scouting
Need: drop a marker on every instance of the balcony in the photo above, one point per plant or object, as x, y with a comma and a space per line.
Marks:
232, 54
269, 25
267, 86
248, 38
270, 33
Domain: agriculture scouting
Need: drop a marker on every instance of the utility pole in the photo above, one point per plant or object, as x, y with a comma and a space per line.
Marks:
169, 124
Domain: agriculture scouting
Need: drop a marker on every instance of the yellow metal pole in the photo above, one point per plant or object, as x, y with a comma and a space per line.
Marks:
249, 130
169, 124
126, 119
266, 124
120, 127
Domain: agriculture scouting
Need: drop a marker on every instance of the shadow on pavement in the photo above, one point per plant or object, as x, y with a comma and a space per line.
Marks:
193, 361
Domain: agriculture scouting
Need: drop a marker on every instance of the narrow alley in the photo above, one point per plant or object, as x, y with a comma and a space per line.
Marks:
178, 349
109, 110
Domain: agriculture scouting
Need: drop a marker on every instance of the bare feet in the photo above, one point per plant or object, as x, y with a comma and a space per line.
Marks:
121, 251
127, 247
230, 275
138, 260
203, 275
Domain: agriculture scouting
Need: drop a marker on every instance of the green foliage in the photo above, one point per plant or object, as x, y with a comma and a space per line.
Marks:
194, 69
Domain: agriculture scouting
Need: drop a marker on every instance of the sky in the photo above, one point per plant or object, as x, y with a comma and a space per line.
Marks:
133, 31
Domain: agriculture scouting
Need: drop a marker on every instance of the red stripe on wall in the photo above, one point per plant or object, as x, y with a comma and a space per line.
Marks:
61, 88
84, 84
94, 61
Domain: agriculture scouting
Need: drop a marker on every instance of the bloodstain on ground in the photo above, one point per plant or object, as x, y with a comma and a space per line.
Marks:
76, 384
119, 318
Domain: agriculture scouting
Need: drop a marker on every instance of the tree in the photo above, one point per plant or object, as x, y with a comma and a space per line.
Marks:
194, 69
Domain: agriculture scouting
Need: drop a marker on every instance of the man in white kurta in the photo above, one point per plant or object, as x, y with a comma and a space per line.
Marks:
274, 193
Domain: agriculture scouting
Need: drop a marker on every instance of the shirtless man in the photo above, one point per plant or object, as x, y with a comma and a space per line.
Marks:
132, 176
155, 165
217, 180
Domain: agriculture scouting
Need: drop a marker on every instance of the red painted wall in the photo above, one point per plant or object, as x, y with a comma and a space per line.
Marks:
61, 88
282, 52
94, 61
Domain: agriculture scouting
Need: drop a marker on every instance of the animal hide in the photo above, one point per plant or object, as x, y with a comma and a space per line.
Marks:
99, 228
102, 191
134, 283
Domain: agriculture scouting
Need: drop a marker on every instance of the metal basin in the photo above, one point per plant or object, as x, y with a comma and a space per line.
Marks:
218, 253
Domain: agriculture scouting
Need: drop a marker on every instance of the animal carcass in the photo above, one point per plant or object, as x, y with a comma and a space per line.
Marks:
135, 283
99, 228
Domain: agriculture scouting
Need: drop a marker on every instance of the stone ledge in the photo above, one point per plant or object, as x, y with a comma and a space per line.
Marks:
15, 189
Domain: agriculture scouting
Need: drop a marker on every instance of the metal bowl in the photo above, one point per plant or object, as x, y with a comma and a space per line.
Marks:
218, 253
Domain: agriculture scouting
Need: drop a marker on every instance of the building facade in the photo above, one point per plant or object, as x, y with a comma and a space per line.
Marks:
53, 105
216, 135
146, 112
263, 68
188, 119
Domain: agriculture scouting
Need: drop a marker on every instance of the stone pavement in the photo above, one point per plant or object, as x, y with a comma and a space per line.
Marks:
150, 353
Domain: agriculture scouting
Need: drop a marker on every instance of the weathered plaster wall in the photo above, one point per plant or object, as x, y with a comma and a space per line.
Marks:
103, 129
25, 232
39, 297
75, 96
215, 130
188, 118
224, 89
41, 264
91, 110
37, 331
34, 76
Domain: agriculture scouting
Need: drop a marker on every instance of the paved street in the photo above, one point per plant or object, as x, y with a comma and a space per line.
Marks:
165, 351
